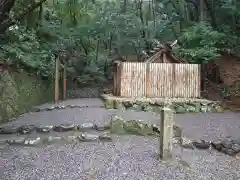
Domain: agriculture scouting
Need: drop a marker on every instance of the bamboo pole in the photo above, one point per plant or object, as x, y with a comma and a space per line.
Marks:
56, 99
64, 83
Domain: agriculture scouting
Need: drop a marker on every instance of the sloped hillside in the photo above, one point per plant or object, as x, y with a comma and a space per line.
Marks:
229, 91
19, 92
229, 68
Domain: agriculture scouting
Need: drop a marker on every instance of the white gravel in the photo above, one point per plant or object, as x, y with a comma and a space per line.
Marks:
128, 157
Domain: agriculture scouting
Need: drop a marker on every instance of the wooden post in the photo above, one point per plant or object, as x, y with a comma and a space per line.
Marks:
64, 83
56, 81
164, 57
147, 79
115, 74
166, 133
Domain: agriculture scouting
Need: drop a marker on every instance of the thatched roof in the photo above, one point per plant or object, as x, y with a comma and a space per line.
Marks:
166, 49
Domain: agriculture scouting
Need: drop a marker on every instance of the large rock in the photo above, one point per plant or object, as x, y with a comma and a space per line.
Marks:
118, 105
121, 126
64, 128
186, 143
26, 129
201, 144
109, 103
227, 146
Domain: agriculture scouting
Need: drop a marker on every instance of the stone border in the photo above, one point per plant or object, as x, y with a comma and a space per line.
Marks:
28, 129
118, 126
227, 146
84, 137
60, 107
144, 104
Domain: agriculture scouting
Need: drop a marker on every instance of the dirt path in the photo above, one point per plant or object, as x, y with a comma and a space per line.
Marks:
127, 157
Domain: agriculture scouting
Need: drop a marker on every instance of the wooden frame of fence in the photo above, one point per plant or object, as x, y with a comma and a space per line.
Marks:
157, 80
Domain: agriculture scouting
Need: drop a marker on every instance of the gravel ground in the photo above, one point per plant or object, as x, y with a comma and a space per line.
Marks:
128, 157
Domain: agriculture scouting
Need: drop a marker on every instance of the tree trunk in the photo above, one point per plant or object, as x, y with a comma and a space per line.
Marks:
201, 10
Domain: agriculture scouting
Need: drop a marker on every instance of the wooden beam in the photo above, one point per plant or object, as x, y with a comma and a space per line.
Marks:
164, 57
56, 99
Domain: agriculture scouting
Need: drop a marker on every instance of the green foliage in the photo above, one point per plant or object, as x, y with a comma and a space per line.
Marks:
84, 33
200, 43
24, 48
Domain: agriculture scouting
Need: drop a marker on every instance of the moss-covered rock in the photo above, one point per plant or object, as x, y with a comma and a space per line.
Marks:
120, 126
118, 105
137, 127
109, 103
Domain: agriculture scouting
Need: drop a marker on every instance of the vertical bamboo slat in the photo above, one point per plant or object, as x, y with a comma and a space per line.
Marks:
160, 80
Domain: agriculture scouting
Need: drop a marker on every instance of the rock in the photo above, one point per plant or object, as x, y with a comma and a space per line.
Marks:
179, 109
103, 128
218, 108
236, 148
190, 107
35, 109
44, 129
109, 103
177, 132
9, 130
32, 141
197, 106
217, 145
186, 143
50, 109
19, 141
64, 128
236, 141
118, 105
201, 144
137, 128
51, 138
227, 143
136, 107
147, 108
116, 125
204, 107
159, 103
143, 106
105, 137
26, 129
127, 104
88, 137
155, 129
71, 138
228, 151
87, 126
